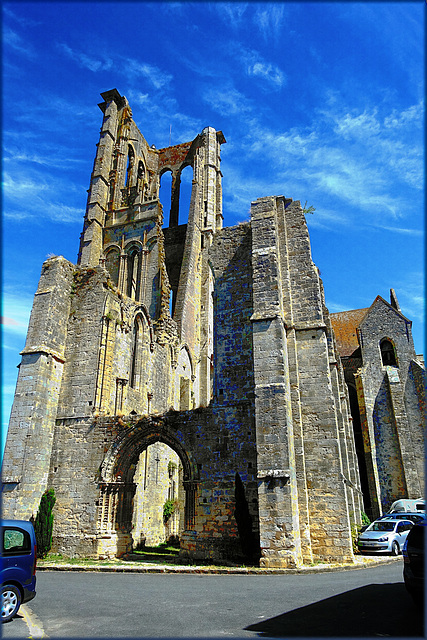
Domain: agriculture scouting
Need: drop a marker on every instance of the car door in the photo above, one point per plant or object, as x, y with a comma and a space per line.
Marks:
17, 555
402, 531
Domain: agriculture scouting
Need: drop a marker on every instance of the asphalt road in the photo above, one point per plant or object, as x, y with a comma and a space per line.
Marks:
357, 603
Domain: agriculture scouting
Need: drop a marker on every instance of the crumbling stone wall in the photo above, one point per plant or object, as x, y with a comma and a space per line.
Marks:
215, 343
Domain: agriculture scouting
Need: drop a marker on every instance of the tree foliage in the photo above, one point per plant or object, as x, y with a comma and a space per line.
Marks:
308, 209
43, 525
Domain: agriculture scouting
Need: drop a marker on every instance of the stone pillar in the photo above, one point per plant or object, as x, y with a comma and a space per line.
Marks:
277, 489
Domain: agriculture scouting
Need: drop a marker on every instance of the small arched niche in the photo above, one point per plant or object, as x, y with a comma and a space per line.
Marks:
112, 261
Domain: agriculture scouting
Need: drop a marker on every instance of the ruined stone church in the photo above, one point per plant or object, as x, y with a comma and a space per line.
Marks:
195, 367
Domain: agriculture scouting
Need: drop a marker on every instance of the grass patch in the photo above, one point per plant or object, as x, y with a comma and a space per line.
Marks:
59, 559
163, 554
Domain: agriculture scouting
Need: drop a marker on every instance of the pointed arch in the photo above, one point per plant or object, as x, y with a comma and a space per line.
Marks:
388, 353
140, 351
133, 271
116, 476
119, 462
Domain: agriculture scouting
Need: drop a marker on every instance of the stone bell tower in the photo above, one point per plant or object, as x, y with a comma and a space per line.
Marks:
129, 328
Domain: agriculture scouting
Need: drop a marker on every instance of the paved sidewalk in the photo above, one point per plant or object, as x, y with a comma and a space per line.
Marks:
128, 566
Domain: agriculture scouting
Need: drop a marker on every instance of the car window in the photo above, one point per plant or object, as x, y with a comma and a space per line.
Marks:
382, 526
15, 540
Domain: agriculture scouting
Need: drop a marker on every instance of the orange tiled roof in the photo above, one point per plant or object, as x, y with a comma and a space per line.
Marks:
344, 324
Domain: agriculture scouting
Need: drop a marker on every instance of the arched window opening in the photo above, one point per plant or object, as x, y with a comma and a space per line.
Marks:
159, 502
112, 265
165, 192
140, 353
133, 274
185, 194
388, 354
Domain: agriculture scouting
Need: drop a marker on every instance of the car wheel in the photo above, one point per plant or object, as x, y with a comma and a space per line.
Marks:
10, 602
395, 548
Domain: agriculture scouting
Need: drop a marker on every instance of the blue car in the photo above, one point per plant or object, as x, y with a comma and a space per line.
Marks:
18, 566
413, 562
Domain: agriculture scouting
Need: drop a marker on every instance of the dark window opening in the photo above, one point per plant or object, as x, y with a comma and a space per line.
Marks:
388, 355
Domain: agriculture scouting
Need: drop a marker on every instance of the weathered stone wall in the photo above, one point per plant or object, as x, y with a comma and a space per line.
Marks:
213, 343
32, 422
393, 421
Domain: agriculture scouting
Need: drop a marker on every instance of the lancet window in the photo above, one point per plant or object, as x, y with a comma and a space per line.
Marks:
140, 351
388, 354
134, 273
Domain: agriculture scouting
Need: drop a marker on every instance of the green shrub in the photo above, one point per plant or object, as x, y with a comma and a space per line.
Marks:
43, 524
168, 509
365, 519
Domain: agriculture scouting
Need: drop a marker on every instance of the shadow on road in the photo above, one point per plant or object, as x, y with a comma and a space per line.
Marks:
373, 610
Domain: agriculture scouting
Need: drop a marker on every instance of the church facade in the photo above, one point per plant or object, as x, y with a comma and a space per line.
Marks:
190, 366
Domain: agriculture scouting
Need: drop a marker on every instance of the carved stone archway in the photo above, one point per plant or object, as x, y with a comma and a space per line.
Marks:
117, 487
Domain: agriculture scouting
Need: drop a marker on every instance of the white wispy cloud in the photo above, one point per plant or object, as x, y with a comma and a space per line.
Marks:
360, 157
255, 65
228, 101
408, 232
12, 39
16, 312
232, 13
52, 156
88, 62
412, 115
155, 76
132, 68
22, 20
31, 195
268, 72
269, 19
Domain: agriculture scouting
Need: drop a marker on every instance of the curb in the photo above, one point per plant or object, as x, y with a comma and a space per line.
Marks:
150, 568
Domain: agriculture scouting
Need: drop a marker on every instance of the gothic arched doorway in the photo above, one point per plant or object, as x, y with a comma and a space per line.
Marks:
144, 468
159, 499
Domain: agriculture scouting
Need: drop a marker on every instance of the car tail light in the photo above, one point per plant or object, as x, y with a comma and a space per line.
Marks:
35, 560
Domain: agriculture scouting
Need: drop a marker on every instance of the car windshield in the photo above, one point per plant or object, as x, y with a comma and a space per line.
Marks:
382, 526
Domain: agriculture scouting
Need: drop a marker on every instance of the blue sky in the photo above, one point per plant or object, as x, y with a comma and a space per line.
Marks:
320, 102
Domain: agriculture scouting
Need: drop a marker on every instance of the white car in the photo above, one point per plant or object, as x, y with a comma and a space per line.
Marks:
387, 535
408, 505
